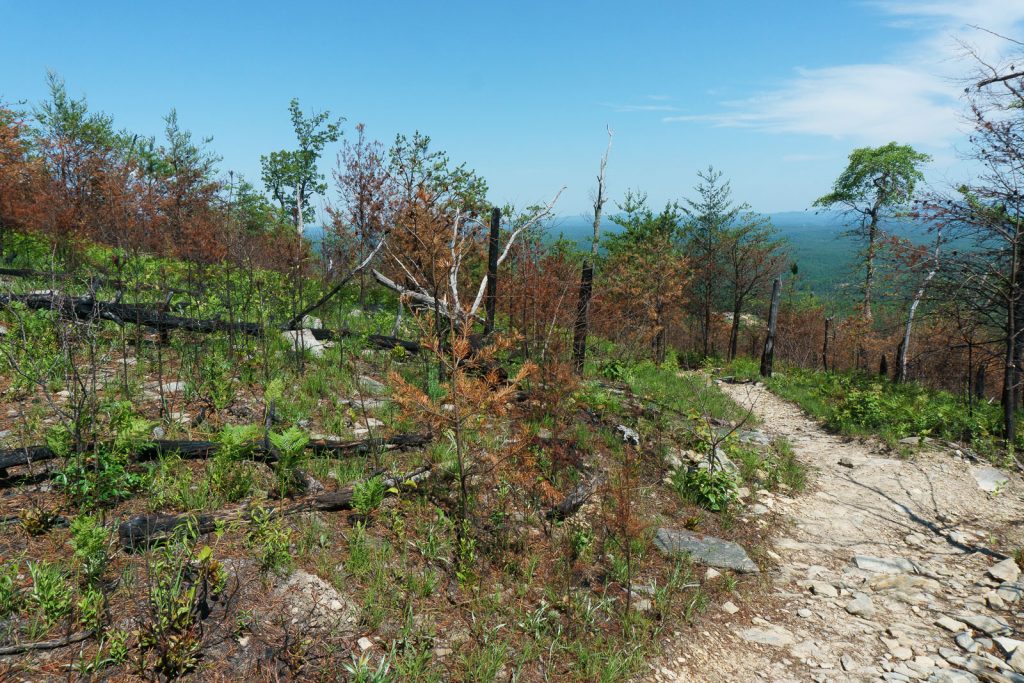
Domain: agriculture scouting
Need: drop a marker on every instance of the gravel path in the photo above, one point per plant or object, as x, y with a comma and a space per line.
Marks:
878, 567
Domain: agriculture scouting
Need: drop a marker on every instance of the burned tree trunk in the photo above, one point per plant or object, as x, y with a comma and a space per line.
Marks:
824, 346
768, 355
579, 337
491, 300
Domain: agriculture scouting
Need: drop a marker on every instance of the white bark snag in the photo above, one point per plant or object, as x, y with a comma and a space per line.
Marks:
901, 360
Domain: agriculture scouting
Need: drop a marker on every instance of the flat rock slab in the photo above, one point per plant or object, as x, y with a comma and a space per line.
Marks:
775, 636
993, 626
707, 550
1006, 571
884, 565
952, 676
989, 478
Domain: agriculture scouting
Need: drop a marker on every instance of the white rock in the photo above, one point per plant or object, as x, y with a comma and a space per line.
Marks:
365, 643
989, 479
884, 565
711, 574
1017, 660
729, 608
951, 624
991, 625
1006, 571
861, 606
1007, 645
823, 589
774, 636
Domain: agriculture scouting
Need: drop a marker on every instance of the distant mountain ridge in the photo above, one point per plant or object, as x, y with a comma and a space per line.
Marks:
826, 258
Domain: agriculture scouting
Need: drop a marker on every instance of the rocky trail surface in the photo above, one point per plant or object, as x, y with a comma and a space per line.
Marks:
880, 571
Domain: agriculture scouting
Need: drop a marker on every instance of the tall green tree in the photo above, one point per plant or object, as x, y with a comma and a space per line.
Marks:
878, 183
709, 217
291, 176
646, 271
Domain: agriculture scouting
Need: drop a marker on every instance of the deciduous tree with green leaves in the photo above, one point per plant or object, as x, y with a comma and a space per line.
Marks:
291, 176
878, 183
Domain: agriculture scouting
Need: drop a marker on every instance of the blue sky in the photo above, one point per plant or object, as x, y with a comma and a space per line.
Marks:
774, 94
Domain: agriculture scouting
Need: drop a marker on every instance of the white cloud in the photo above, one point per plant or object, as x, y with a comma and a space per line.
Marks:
913, 98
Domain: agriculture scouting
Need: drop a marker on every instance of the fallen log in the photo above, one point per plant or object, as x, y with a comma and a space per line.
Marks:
145, 530
152, 316
198, 450
380, 341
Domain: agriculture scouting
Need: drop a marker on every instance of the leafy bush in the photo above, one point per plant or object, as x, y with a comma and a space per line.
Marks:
51, 592
270, 540
101, 478
714, 490
868, 404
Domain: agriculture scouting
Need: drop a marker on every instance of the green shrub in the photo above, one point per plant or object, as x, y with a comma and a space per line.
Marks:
89, 539
51, 593
270, 539
714, 490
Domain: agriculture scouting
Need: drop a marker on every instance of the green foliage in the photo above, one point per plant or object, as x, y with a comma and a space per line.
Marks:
884, 175
101, 478
171, 633
11, 596
91, 608
362, 670
50, 593
291, 176
770, 468
714, 490
89, 538
227, 474
367, 495
270, 540
861, 404
290, 448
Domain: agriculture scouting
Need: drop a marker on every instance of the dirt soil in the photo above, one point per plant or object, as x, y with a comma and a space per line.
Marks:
820, 616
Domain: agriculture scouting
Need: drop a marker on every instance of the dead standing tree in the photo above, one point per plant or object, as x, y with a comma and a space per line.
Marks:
446, 300
580, 329
902, 352
768, 355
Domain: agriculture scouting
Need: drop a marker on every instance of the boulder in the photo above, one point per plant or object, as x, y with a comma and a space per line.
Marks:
861, 606
303, 340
